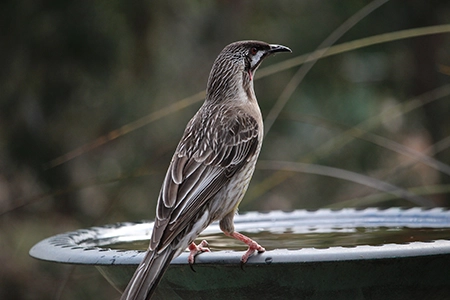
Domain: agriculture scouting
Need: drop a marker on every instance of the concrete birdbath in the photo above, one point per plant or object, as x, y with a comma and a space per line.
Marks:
324, 254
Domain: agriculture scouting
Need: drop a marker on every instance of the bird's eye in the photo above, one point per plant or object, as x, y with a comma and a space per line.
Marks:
253, 51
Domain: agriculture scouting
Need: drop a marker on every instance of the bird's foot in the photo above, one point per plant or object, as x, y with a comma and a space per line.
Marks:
197, 249
252, 245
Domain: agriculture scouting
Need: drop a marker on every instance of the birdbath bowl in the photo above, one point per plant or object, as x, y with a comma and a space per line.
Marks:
324, 254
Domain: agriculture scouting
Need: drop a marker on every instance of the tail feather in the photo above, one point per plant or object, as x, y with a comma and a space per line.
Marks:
148, 274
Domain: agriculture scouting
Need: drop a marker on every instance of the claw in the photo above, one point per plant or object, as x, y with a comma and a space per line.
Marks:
195, 250
252, 248
252, 245
192, 267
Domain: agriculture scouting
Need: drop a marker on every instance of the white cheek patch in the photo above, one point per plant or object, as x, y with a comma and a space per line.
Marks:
257, 58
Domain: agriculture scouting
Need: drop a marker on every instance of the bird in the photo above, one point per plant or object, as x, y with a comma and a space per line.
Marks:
211, 168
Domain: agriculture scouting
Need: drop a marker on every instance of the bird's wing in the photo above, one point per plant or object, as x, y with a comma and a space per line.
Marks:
213, 148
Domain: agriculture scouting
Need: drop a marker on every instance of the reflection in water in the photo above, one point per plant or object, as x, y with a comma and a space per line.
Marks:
316, 237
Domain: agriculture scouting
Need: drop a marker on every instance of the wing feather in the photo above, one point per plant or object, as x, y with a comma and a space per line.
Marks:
213, 148
178, 168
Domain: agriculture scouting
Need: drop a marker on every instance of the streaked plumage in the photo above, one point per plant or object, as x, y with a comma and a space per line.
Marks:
212, 165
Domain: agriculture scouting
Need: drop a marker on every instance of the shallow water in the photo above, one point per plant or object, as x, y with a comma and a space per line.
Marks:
310, 238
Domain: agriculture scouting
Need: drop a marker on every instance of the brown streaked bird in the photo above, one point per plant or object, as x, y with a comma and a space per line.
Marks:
211, 168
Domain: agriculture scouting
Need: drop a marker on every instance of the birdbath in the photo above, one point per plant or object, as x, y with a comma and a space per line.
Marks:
324, 254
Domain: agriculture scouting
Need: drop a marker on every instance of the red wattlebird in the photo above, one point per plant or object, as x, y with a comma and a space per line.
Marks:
211, 168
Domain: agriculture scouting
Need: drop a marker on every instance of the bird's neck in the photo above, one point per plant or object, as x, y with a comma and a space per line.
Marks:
232, 88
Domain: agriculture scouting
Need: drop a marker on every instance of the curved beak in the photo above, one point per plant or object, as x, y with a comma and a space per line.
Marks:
279, 48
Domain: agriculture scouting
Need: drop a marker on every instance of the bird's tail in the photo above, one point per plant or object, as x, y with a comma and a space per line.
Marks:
148, 274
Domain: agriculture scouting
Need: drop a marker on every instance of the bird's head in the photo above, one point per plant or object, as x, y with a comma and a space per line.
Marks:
234, 68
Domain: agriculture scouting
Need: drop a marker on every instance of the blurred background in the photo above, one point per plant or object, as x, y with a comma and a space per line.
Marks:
90, 114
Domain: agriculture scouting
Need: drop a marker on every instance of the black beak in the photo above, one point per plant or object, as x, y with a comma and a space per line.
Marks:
278, 48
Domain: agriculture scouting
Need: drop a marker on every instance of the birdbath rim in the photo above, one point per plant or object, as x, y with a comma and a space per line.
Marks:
84, 247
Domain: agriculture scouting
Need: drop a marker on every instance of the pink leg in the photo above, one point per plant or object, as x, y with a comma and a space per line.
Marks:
252, 245
195, 250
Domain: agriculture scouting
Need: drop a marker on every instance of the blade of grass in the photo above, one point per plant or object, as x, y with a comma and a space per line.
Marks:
23, 202
378, 198
380, 185
358, 133
165, 111
341, 140
403, 167
314, 57
354, 45
184, 103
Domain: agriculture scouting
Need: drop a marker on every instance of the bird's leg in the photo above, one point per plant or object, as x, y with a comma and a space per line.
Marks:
252, 245
195, 250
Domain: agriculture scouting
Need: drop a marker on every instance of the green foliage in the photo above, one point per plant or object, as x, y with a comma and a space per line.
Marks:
86, 134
